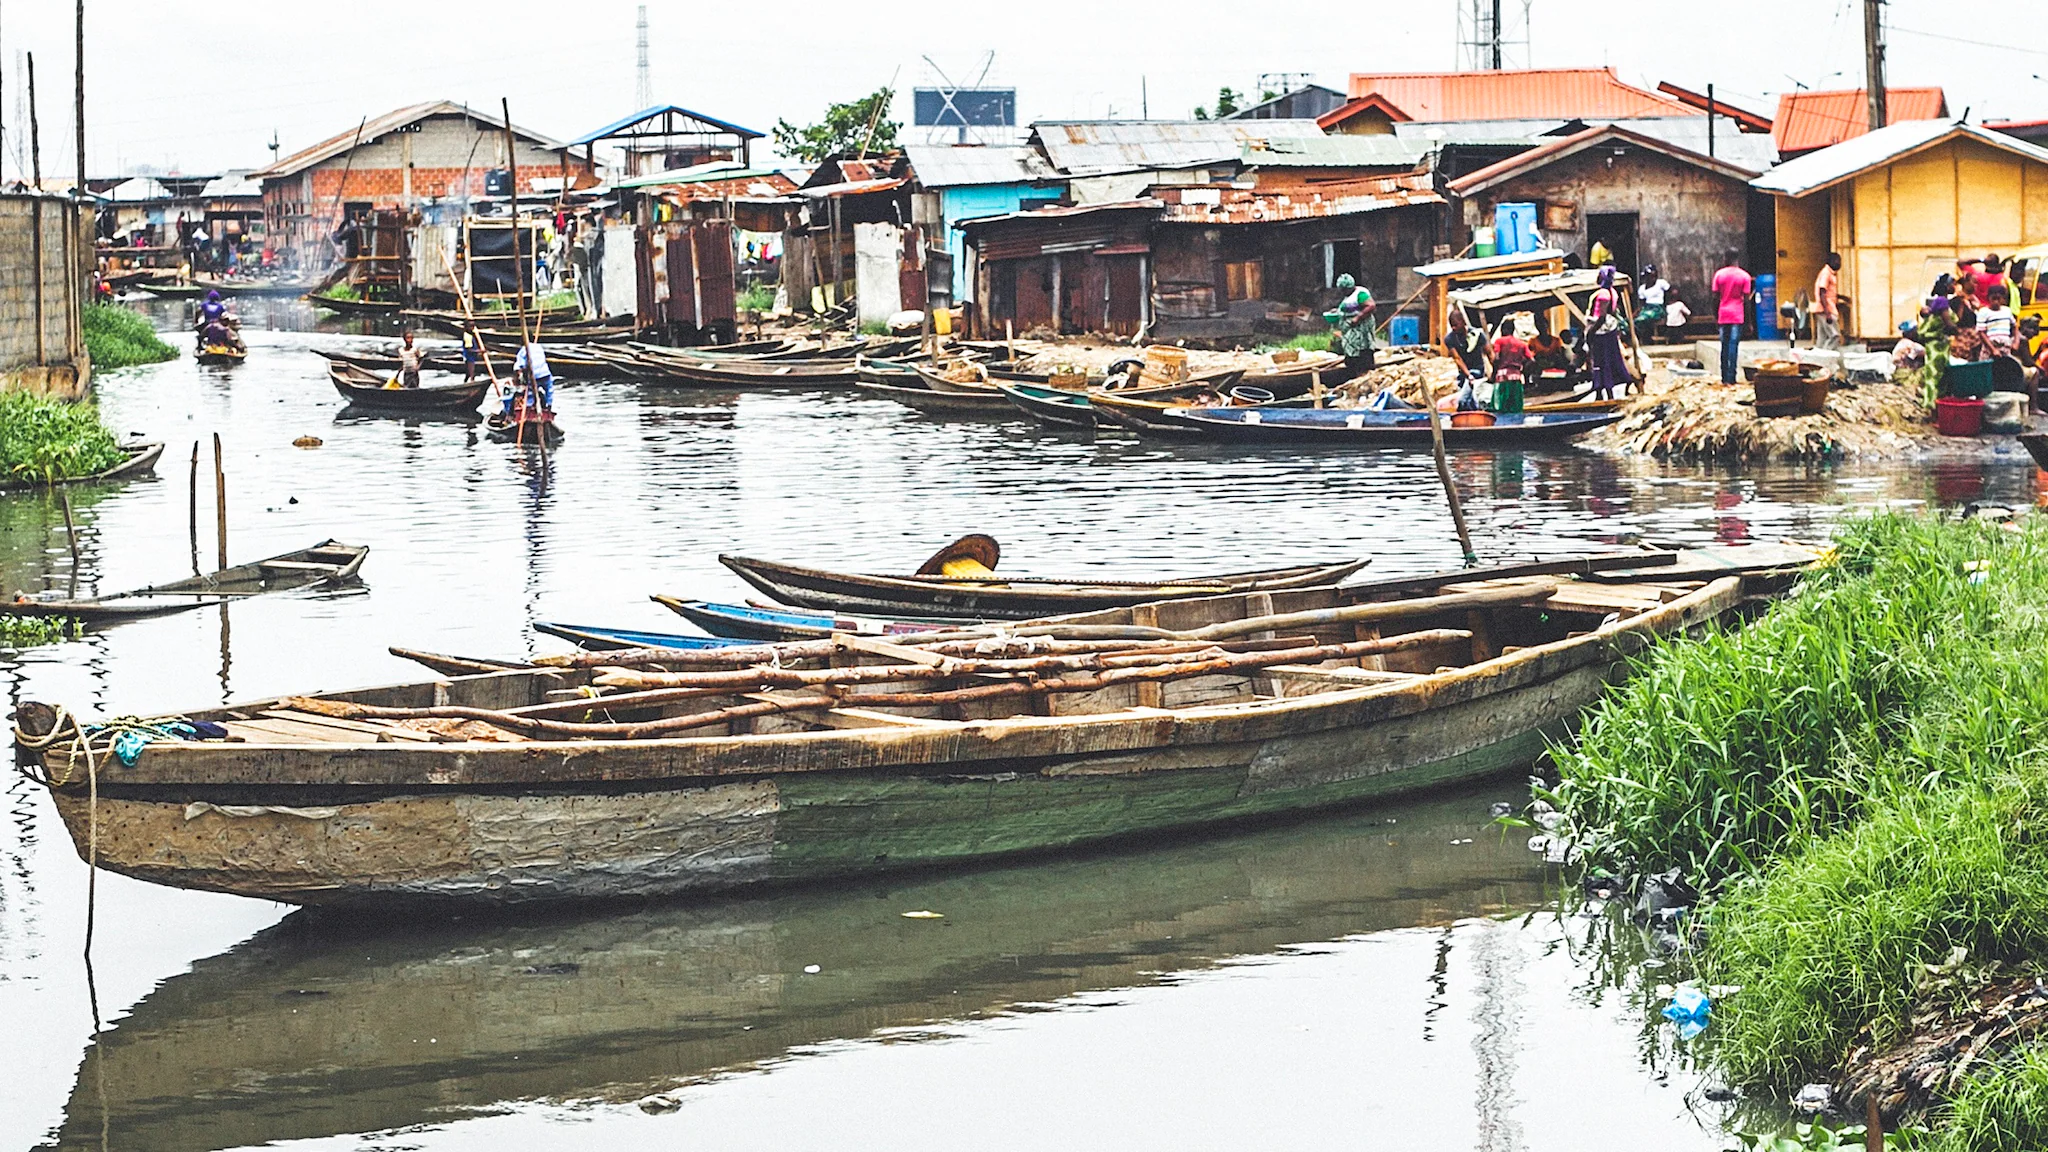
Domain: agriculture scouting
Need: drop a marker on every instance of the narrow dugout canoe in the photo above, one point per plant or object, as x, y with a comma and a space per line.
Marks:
336, 800
323, 565
931, 400
1370, 427
1053, 407
594, 638
752, 622
999, 598
364, 387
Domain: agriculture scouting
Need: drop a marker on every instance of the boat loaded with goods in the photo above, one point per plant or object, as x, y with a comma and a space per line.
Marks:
655, 770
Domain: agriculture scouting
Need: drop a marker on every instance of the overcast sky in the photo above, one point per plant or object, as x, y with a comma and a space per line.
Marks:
199, 87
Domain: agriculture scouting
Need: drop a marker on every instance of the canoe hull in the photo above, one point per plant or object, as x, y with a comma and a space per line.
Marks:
497, 848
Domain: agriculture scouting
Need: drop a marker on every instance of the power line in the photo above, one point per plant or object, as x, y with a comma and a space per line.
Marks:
1966, 40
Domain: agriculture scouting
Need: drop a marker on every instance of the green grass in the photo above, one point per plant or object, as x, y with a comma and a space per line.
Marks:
118, 338
545, 302
1862, 776
341, 291
1724, 752
759, 298
2005, 1111
1306, 342
43, 440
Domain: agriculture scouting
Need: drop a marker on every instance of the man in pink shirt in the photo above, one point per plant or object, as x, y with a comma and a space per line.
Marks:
1827, 295
1733, 286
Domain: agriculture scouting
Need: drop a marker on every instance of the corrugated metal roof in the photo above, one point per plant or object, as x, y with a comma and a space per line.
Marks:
1089, 146
1214, 204
1751, 150
960, 166
1488, 263
1565, 146
853, 187
1065, 212
642, 117
232, 184
1809, 120
380, 126
1335, 152
1564, 93
1830, 166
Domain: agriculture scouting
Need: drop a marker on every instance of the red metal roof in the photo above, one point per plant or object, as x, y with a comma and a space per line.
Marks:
1750, 121
1810, 120
1531, 94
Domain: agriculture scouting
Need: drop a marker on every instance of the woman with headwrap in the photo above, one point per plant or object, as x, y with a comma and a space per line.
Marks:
1611, 376
1354, 323
213, 308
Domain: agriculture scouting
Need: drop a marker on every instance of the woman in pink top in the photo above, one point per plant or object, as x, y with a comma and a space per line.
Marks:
1733, 287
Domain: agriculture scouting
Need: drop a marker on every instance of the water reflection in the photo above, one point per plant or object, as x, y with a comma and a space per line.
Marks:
322, 1026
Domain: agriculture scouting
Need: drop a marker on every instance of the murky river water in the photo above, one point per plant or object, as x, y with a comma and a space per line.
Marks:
1389, 978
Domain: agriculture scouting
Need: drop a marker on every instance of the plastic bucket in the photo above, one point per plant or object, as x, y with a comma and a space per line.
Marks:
1969, 380
1954, 417
1249, 396
1471, 419
1482, 242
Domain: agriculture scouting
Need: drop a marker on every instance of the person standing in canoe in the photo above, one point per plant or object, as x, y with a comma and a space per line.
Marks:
408, 361
1611, 376
531, 367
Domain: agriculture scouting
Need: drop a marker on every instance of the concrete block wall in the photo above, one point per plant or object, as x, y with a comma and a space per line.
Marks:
42, 348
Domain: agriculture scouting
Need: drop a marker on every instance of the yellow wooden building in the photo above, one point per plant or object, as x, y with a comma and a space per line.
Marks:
1901, 205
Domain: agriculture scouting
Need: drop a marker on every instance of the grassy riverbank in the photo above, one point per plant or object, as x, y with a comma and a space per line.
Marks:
1862, 776
118, 338
43, 440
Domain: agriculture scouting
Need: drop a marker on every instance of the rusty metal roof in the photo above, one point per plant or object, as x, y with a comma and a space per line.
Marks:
852, 187
1336, 152
1809, 120
1566, 146
1081, 147
1065, 212
964, 165
1527, 94
1218, 204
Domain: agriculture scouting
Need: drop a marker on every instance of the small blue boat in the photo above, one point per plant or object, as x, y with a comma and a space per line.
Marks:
745, 621
1367, 426
610, 639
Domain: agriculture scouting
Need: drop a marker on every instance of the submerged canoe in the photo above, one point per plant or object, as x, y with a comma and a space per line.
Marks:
141, 461
998, 598
433, 791
323, 565
1366, 426
751, 622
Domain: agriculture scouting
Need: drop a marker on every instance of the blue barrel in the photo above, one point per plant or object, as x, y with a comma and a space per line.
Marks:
1404, 330
1514, 228
1767, 308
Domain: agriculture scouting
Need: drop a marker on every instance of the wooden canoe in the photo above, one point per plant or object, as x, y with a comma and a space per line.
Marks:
434, 791
141, 461
354, 307
524, 429
324, 565
221, 355
1053, 407
753, 622
1268, 423
364, 387
930, 400
593, 638
1001, 598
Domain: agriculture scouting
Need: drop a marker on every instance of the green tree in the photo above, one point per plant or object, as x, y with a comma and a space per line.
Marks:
862, 125
1226, 103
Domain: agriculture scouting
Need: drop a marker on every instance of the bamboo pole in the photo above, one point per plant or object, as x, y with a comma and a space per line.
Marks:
1221, 664
220, 504
71, 538
192, 506
469, 317
1443, 474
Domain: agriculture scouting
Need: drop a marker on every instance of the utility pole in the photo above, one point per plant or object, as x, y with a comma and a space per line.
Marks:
1496, 34
1873, 61
1710, 120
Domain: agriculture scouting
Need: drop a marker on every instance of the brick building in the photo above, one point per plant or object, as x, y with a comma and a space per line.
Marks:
414, 156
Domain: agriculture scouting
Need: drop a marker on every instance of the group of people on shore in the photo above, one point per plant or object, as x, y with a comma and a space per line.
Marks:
1496, 369
1968, 318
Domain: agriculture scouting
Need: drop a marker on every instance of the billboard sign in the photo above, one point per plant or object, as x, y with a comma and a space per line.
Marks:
964, 107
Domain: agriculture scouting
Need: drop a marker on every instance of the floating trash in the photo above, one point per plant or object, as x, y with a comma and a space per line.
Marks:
1690, 1009
924, 914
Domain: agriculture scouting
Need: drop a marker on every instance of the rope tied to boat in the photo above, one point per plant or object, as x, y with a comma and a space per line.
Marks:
121, 737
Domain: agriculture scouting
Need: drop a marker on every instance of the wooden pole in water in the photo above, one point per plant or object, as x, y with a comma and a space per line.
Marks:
220, 503
1443, 473
512, 172
71, 537
192, 506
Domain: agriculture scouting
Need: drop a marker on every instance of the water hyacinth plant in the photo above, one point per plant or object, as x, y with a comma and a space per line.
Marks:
118, 338
42, 440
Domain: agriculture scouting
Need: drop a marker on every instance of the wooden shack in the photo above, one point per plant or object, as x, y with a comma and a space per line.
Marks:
1901, 205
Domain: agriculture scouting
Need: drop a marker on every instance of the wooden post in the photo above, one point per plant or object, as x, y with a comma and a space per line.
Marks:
1443, 473
192, 507
71, 537
220, 503
35, 151
1315, 385
35, 131
1010, 342
512, 172
1873, 1123
80, 96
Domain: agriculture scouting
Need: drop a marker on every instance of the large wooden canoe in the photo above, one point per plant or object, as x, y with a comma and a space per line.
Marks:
362, 386
1371, 427
323, 565
438, 791
999, 598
